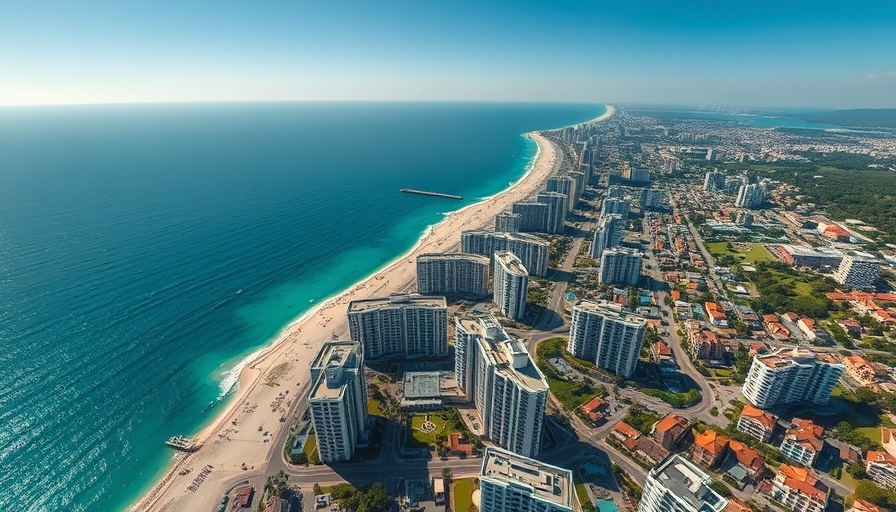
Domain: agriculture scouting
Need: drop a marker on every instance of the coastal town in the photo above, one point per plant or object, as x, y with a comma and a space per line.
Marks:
667, 312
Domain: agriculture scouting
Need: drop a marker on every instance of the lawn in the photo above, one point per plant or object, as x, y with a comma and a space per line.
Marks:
572, 394
754, 254
582, 494
463, 495
311, 449
373, 407
872, 433
417, 438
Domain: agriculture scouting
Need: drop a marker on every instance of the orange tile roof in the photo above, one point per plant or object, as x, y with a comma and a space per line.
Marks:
747, 456
627, 430
712, 441
880, 457
806, 433
672, 421
735, 505
798, 473
767, 419
864, 506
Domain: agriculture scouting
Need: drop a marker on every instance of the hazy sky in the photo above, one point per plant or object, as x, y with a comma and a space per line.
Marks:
754, 53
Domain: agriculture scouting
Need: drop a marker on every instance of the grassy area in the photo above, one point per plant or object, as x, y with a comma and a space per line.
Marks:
463, 495
872, 433
582, 493
373, 407
311, 449
754, 253
572, 394
417, 438
680, 400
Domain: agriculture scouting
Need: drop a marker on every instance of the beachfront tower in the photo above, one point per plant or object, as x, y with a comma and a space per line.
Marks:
620, 265
495, 371
511, 285
338, 400
507, 222
607, 235
456, 273
400, 325
606, 334
678, 485
565, 185
557, 207
533, 216
511, 483
532, 250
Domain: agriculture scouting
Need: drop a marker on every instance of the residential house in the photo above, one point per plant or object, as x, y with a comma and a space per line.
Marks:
671, 431
757, 423
799, 489
802, 442
709, 448
881, 467
750, 460
595, 408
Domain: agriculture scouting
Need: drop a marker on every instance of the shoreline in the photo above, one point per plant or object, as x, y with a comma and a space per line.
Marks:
302, 337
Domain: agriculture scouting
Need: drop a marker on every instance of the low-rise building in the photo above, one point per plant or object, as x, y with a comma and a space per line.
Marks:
671, 431
750, 460
799, 489
803, 442
757, 423
709, 448
881, 467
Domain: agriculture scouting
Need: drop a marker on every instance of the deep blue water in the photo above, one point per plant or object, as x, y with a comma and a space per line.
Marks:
146, 250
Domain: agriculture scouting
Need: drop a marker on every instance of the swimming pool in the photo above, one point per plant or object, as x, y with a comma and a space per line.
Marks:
607, 506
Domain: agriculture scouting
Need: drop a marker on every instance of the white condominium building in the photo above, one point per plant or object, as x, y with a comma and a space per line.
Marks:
608, 234
620, 265
789, 376
533, 251
453, 273
676, 485
338, 400
400, 325
511, 285
511, 483
858, 272
750, 196
496, 372
581, 182
606, 334
557, 208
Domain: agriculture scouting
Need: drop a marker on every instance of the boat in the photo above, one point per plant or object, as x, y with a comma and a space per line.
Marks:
427, 193
183, 443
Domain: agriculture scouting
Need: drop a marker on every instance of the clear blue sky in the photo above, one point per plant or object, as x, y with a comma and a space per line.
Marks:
753, 53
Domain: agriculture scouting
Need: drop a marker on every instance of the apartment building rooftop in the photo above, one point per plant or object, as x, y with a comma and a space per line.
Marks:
331, 360
610, 308
689, 483
507, 353
396, 299
549, 483
511, 263
786, 357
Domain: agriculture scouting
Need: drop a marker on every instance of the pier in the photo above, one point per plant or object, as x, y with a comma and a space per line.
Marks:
426, 193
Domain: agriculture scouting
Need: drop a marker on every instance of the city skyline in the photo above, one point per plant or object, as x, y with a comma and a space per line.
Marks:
761, 55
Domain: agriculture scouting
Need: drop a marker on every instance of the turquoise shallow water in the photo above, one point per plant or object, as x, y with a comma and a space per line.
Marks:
146, 250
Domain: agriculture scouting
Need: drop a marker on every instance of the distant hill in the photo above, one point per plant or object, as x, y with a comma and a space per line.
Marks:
862, 118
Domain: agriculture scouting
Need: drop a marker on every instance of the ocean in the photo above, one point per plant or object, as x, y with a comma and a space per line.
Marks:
146, 250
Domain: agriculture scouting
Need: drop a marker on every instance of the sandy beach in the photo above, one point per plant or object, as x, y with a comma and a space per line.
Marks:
250, 431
